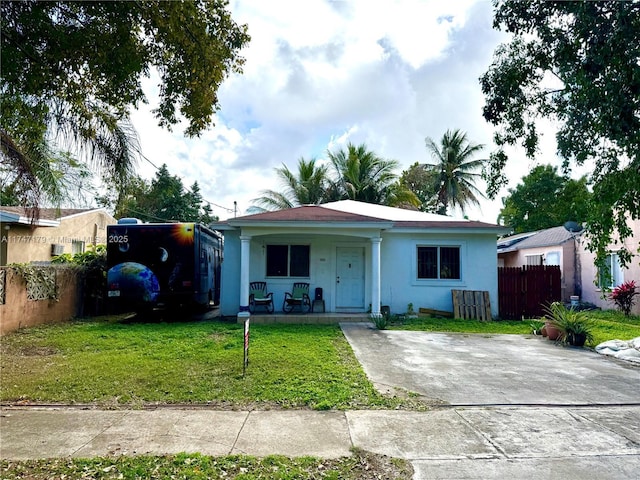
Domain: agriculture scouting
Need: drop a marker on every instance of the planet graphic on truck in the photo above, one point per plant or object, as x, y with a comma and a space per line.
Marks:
134, 282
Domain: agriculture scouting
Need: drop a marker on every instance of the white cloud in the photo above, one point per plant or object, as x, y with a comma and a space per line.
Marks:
321, 73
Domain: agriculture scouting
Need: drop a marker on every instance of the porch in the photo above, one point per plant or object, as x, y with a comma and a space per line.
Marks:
307, 318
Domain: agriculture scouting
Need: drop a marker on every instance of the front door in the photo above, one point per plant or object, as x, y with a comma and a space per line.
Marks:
350, 278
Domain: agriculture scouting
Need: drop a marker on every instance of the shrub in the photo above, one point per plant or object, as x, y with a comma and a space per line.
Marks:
623, 295
570, 322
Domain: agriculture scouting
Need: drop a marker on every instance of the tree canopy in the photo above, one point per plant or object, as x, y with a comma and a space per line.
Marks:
163, 199
545, 199
577, 64
71, 71
360, 174
355, 173
307, 186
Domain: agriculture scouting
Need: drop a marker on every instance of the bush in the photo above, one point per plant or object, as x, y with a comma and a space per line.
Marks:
571, 323
92, 267
623, 295
382, 321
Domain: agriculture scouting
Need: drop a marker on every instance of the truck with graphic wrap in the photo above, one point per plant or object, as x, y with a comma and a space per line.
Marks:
156, 265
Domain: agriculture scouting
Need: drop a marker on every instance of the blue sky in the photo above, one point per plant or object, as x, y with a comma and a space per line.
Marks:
319, 74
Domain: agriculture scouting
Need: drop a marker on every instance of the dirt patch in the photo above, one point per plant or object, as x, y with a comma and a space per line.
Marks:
30, 350
371, 466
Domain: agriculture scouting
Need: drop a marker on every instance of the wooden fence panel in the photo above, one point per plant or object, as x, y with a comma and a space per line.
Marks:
523, 292
471, 304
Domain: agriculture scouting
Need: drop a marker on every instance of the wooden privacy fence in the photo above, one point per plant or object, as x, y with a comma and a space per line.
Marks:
525, 291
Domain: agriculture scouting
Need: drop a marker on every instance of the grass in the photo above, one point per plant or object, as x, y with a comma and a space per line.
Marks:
606, 325
109, 363
438, 324
611, 325
359, 466
112, 364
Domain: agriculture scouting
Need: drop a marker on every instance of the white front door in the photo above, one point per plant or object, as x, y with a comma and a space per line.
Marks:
350, 278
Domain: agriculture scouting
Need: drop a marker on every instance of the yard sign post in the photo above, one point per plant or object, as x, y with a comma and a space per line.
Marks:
246, 346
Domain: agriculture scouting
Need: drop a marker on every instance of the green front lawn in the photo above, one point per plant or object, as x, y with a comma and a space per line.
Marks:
607, 325
109, 363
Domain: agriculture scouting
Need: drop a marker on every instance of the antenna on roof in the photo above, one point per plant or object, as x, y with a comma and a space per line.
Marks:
573, 227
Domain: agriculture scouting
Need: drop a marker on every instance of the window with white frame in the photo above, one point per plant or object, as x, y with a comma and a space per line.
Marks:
611, 275
288, 260
77, 246
438, 262
552, 258
534, 259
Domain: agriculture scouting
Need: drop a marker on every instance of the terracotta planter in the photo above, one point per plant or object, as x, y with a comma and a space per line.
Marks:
543, 331
552, 332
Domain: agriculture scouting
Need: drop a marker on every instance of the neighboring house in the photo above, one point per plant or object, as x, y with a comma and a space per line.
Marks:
362, 256
56, 231
552, 246
593, 280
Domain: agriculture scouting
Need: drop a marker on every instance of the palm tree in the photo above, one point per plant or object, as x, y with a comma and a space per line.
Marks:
307, 187
34, 155
455, 171
362, 175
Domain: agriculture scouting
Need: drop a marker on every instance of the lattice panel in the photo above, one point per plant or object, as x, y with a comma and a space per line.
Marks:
3, 282
43, 285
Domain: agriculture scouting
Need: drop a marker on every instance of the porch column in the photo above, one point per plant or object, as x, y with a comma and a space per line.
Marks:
375, 276
245, 256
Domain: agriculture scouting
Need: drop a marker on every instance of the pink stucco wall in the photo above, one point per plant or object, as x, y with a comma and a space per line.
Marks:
567, 263
19, 312
589, 273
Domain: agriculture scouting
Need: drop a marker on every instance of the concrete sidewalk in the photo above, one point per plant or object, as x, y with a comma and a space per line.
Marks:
478, 442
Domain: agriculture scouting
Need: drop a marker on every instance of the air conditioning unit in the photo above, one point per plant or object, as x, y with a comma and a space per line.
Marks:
57, 249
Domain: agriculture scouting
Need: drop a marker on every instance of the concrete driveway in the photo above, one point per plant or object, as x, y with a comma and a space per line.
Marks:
464, 369
520, 406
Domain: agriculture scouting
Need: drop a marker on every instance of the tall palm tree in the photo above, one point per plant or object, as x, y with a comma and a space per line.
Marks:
306, 187
455, 170
362, 175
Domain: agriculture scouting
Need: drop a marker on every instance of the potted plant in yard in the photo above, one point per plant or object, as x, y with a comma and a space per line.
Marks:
568, 325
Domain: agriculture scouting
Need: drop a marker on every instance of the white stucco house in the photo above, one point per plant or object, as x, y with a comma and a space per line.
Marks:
362, 255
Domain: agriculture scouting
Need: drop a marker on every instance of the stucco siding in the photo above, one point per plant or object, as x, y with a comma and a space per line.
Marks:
562, 255
400, 285
591, 292
230, 274
25, 244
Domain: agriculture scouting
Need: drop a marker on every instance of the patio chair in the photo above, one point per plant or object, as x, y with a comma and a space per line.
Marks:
258, 297
299, 297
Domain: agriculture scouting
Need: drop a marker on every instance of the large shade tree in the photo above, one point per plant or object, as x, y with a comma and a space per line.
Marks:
423, 184
307, 186
545, 199
455, 171
577, 64
163, 199
360, 174
71, 71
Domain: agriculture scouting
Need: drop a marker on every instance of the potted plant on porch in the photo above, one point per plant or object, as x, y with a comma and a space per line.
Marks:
568, 325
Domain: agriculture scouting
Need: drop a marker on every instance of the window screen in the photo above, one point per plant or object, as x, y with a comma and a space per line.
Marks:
439, 263
287, 260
